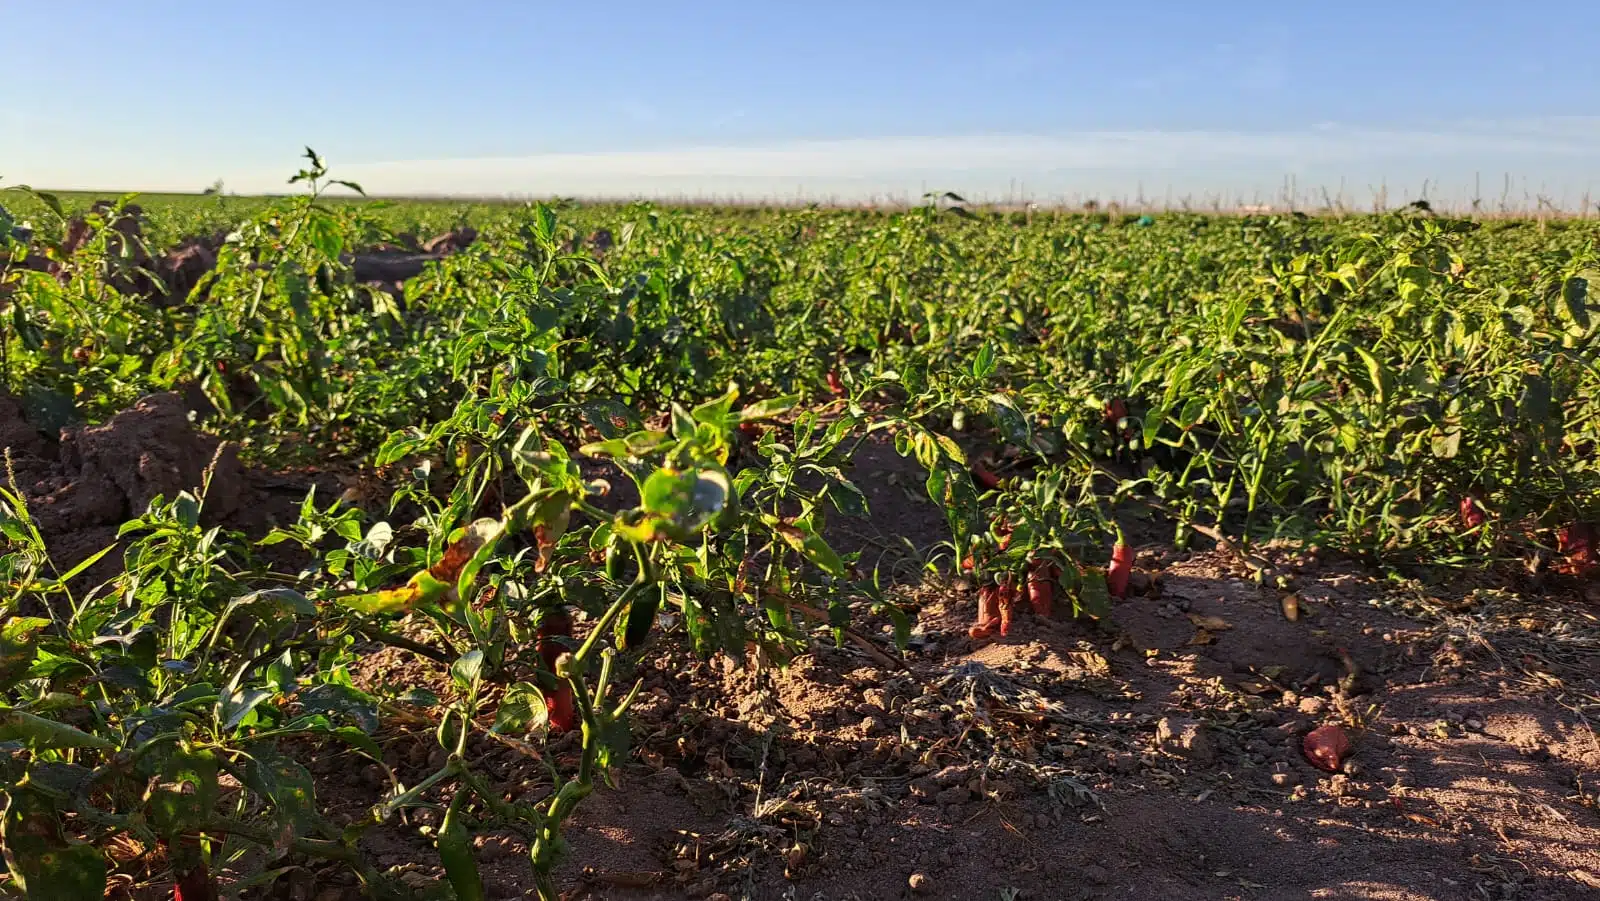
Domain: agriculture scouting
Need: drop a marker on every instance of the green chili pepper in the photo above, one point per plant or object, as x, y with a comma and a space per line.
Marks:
615, 558
641, 616
455, 852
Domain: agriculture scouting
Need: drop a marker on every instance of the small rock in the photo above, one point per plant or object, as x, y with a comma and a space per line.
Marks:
1285, 779
1353, 768
1043, 821
921, 883
417, 880
1186, 738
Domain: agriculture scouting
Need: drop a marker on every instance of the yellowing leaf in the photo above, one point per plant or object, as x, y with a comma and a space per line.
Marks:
423, 587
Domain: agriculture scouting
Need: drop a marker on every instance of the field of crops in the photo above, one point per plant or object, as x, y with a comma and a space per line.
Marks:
646, 552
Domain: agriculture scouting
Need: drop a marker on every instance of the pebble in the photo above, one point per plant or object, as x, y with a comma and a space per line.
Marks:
417, 879
1186, 738
921, 883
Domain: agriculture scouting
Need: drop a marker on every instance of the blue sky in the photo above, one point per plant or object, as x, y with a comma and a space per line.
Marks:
823, 98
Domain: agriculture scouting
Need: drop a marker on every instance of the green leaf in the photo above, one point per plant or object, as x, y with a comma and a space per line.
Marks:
984, 364
767, 409
185, 793
38, 732
467, 669
522, 710
610, 417
341, 701
239, 706
1534, 407
1574, 299
718, 412
1382, 379
322, 230
1009, 420
18, 646
1446, 445
57, 873
286, 784
1094, 595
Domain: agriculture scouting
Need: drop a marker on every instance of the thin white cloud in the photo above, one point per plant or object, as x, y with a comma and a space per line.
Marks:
1554, 152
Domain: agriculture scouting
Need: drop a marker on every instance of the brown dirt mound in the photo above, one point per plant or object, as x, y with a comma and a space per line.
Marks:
82, 487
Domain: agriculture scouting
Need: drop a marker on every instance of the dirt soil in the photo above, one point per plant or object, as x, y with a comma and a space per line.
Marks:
1157, 754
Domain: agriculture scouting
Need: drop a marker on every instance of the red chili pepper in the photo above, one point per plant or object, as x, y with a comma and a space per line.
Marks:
988, 612
835, 384
558, 701
1042, 578
563, 711
195, 883
1121, 569
985, 476
1002, 531
1576, 542
1471, 513
1008, 602
1116, 410
1326, 747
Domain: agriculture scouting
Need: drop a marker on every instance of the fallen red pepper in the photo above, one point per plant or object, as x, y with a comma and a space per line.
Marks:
1007, 599
1326, 747
988, 613
1471, 514
835, 384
